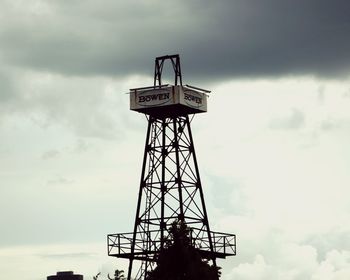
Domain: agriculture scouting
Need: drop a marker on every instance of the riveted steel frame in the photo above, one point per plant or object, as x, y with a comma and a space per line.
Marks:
170, 189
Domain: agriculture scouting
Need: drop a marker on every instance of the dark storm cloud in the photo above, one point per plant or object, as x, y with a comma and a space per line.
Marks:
215, 38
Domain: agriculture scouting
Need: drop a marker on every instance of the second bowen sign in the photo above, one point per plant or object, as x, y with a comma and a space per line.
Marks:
187, 99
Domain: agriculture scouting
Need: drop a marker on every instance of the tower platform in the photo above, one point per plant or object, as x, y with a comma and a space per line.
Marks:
168, 100
120, 245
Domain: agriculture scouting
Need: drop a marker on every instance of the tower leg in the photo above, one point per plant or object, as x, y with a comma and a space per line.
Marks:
130, 268
132, 249
170, 189
205, 221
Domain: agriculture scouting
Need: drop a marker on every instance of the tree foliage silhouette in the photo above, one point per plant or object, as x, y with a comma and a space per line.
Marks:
118, 275
180, 260
96, 276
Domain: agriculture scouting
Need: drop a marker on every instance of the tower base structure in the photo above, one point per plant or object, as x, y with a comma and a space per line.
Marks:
170, 189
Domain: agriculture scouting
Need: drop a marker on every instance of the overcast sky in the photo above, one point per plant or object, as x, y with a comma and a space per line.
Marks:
273, 148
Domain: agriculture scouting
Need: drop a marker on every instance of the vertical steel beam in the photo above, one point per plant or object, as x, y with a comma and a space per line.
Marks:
206, 222
178, 164
142, 183
163, 185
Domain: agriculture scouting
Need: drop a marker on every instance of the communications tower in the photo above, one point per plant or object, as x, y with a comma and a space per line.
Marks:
170, 185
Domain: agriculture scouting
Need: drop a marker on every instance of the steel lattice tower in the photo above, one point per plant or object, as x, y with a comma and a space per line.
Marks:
170, 185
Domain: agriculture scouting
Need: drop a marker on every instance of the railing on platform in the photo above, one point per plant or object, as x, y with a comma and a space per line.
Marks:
119, 245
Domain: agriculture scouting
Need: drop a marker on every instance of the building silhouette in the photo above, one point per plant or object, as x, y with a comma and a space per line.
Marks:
65, 275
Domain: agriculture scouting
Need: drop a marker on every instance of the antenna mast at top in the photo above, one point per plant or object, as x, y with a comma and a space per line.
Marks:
158, 68
166, 100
